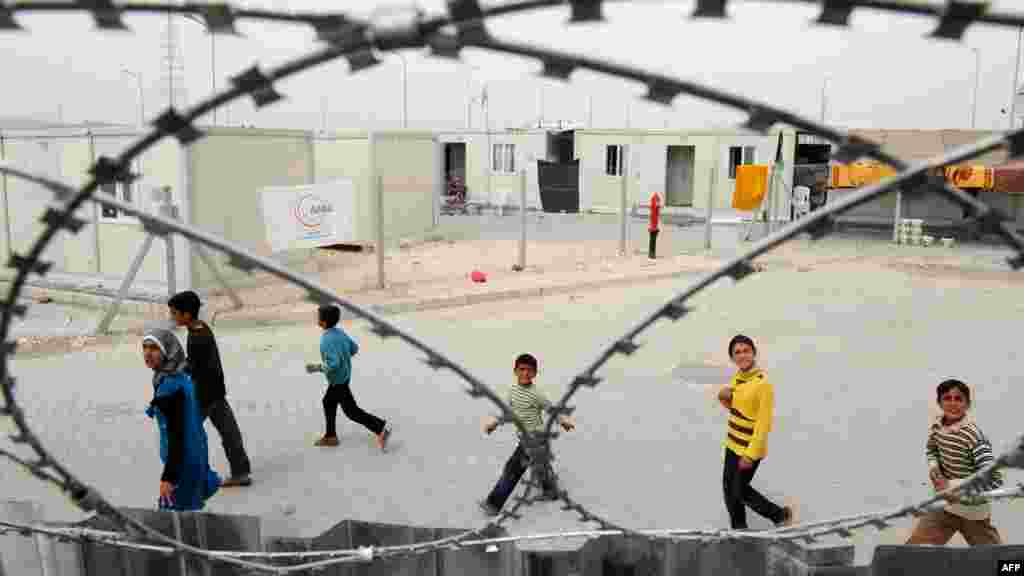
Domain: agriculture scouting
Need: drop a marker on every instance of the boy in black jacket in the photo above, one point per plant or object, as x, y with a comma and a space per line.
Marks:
208, 377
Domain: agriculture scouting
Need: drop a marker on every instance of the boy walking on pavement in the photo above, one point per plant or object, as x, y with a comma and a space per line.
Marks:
208, 378
528, 404
336, 352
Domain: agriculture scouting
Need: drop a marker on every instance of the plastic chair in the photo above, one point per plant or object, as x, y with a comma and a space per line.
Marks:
801, 201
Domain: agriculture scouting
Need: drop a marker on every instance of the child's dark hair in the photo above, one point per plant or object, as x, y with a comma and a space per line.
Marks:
525, 359
330, 315
185, 302
948, 385
741, 339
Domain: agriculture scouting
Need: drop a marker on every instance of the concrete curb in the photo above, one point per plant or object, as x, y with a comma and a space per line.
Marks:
458, 301
523, 293
98, 298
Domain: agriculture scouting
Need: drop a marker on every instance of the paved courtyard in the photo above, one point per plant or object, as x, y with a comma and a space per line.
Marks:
853, 349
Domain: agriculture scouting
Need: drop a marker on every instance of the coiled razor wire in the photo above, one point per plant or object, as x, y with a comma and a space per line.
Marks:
357, 40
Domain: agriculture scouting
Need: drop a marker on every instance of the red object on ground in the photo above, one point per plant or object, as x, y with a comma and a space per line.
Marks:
655, 212
478, 276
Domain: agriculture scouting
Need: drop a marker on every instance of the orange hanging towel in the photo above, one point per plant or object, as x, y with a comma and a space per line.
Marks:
751, 185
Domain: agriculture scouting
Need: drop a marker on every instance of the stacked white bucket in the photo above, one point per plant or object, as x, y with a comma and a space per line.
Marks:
911, 232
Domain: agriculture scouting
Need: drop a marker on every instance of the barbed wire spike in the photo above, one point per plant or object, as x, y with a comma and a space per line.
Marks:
957, 16
334, 29
104, 14
506, 514
55, 218
154, 226
557, 68
7, 21
626, 347
740, 270
661, 92
106, 170
258, 86
556, 410
588, 380
43, 462
19, 262
760, 120
219, 18
8, 348
241, 263
435, 362
361, 60
18, 310
470, 16
675, 311
880, 524
835, 13
820, 228
585, 11
383, 331
845, 533
445, 46
171, 122
710, 9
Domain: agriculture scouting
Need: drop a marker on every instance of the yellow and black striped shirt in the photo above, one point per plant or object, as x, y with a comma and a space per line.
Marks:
750, 417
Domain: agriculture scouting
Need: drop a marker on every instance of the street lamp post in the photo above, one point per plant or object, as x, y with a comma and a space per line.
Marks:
824, 85
213, 57
405, 90
1016, 79
974, 100
140, 101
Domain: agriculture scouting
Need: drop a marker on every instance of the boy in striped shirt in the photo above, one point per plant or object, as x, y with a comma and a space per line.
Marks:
957, 449
528, 404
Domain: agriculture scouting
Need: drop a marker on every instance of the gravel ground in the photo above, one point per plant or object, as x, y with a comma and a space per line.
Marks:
854, 351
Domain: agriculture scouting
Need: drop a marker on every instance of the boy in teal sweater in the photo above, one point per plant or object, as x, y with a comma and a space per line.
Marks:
336, 352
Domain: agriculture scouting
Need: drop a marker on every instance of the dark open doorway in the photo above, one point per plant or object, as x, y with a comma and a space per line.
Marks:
455, 161
679, 166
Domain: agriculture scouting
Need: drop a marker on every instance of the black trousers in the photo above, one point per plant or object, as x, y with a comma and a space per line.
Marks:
739, 494
514, 469
342, 394
223, 419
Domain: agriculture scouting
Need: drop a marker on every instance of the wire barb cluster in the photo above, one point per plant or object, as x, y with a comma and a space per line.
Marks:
356, 41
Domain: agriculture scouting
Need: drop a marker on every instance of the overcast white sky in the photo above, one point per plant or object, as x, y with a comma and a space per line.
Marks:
884, 72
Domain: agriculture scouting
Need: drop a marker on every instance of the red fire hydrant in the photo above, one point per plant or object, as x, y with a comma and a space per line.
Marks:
652, 228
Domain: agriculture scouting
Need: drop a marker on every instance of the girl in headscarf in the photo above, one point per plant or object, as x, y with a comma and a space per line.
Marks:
187, 480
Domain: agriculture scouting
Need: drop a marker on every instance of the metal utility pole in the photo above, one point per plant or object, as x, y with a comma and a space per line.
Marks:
1016, 80
977, 78
213, 57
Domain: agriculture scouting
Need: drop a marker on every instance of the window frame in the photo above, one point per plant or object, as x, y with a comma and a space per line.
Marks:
615, 170
743, 155
503, 158
127, 192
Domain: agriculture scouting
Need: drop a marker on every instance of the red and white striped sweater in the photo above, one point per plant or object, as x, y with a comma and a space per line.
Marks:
960, 450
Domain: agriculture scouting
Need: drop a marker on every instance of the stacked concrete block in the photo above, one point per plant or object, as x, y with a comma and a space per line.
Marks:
943, 560
211, 531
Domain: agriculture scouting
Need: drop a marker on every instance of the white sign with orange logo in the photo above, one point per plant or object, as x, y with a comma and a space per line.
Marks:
309, 216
